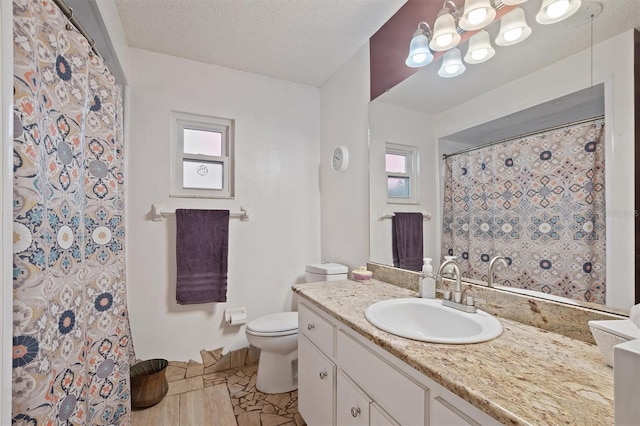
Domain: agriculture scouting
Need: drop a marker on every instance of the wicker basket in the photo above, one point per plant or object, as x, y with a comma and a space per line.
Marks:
148, 382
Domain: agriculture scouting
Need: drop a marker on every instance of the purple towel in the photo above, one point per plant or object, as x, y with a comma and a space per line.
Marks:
407, 241
202, 248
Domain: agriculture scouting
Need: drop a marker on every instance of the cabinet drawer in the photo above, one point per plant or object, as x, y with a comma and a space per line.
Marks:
316, 385
402, 398
352, 406
317, 329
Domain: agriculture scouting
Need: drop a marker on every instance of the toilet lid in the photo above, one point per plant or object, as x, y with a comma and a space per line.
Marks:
274, 323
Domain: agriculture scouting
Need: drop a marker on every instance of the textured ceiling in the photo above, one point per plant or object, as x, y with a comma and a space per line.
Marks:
425, 91
303, 41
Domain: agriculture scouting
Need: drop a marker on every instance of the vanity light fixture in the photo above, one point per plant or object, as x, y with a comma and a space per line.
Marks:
513, 28
452, 65
419, 53
480, 49
445, 36
477, 14
553, 11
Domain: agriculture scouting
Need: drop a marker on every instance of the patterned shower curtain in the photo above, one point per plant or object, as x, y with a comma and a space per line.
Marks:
71, 338
539, 202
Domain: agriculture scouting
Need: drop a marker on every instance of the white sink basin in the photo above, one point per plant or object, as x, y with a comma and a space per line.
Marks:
428, 321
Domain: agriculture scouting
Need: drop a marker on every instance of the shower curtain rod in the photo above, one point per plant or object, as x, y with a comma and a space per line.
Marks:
68, 12
524, 135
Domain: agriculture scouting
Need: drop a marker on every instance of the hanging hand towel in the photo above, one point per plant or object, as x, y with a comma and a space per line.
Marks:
202, 248
406, 240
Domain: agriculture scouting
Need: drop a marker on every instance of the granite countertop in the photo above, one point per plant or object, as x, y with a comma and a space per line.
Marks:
527, 376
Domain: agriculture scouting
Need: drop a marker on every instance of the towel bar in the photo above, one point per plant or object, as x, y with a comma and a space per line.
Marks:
159, 212
383, 216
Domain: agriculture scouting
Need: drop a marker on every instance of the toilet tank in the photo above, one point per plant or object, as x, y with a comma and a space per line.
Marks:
325, 272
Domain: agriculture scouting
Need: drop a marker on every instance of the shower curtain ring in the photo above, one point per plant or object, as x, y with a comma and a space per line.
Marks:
69, 26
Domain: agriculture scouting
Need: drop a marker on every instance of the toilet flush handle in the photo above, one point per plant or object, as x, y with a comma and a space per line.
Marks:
310, 327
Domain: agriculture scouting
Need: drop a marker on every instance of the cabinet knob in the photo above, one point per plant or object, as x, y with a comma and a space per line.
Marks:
323, 375
355, 411
310, 327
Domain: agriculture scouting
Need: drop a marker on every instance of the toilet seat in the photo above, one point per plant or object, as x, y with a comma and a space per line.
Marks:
273, 325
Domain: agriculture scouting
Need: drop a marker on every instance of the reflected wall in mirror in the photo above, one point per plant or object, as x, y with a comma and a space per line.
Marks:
436, 115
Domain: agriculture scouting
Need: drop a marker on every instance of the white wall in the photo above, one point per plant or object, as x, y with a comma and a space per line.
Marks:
613, 66
277, 150
345, 195
392, 124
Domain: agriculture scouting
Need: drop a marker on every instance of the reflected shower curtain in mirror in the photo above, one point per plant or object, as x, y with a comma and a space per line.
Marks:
71, 338
538, 201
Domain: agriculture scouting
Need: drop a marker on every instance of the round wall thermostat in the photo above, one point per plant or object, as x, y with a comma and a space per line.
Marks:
340, 158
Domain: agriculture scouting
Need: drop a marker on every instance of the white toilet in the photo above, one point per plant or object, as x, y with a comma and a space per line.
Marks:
276, 335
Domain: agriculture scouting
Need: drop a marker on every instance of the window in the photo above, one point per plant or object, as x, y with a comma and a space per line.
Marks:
401, 166
202, 156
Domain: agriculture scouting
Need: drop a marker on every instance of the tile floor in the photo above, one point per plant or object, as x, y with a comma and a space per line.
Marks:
228, 397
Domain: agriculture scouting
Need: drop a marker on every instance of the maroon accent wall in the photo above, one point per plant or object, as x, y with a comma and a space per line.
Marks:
636, 102
388, 48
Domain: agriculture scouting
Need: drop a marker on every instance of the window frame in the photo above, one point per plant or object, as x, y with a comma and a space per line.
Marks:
411, 155
181, 121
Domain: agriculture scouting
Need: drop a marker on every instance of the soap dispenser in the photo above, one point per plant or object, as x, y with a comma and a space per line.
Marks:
428, 281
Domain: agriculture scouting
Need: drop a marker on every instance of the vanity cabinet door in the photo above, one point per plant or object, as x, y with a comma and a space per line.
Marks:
377, 417
399, 396
352, 408
316, 385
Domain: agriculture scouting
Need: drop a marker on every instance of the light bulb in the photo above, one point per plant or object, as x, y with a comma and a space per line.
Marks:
513, 28
480, 49
477, 15
419, 53
451, 69
444, 35
451, 64
479, 54
444, 39
419, 58
513, 34
553, 11
557, 9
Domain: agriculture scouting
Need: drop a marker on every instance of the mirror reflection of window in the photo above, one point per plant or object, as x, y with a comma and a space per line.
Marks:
396, 163
398, 187
402, 174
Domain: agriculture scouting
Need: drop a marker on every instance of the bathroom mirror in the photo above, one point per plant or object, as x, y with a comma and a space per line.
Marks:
537, 84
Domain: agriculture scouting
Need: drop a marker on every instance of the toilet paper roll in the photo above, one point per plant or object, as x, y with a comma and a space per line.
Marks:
237, 319
634, 315
236, 316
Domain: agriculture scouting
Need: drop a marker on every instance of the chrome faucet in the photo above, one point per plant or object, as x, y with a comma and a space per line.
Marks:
492, 266
456, 303
469, 304
457, 294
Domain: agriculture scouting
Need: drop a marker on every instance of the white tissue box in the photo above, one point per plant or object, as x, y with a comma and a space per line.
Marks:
610, 333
